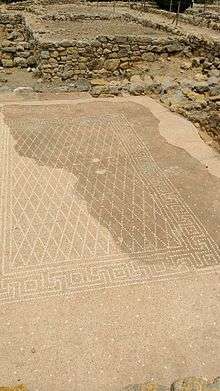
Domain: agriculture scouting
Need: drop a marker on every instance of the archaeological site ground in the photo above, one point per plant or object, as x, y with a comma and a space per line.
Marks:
110, 196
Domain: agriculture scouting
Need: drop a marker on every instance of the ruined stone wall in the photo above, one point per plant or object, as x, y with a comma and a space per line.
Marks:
106, 55
16, 46
98, 57
102, 56
60, 1
203, 19
195, 44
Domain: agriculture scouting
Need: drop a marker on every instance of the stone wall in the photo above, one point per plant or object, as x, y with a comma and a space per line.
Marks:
196, 44
16, 46
203, 19
109, 55
102, 56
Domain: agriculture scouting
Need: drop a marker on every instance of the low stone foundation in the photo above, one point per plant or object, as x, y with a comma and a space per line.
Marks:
16, 46
106, 65
204, 19
100, 56
104, 56
194, 44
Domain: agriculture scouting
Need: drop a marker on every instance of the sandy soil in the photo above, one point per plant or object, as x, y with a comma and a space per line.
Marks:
92, 28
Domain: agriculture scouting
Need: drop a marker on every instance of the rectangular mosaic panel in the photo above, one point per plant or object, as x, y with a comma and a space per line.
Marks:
86, 206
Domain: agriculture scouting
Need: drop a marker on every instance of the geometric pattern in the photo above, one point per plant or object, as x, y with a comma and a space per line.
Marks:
85, 206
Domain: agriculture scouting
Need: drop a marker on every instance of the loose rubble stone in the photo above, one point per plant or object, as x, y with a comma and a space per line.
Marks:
196, 62
97, 90
114, 90
115, 87
215, 90
98, 82
136, 79
136, 89
200, 77
214, 72
174, 99
149, 57
213, 80
82, 85
168, 85
31, 61
20, 62
201, 87
7, 63
111, 65
189, 384
13, 35
174, 47
215, 98
185, 65
198, 101
187, 83
153, 87
147, 79
207, 65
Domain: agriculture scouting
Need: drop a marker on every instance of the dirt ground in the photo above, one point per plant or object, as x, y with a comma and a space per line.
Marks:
59, 30
108, 9
89, 8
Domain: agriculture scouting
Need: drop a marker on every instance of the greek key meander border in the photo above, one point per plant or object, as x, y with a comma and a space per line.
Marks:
64, 280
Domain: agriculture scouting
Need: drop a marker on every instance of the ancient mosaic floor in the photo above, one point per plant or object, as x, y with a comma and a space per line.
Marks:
110, 216
89, 202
